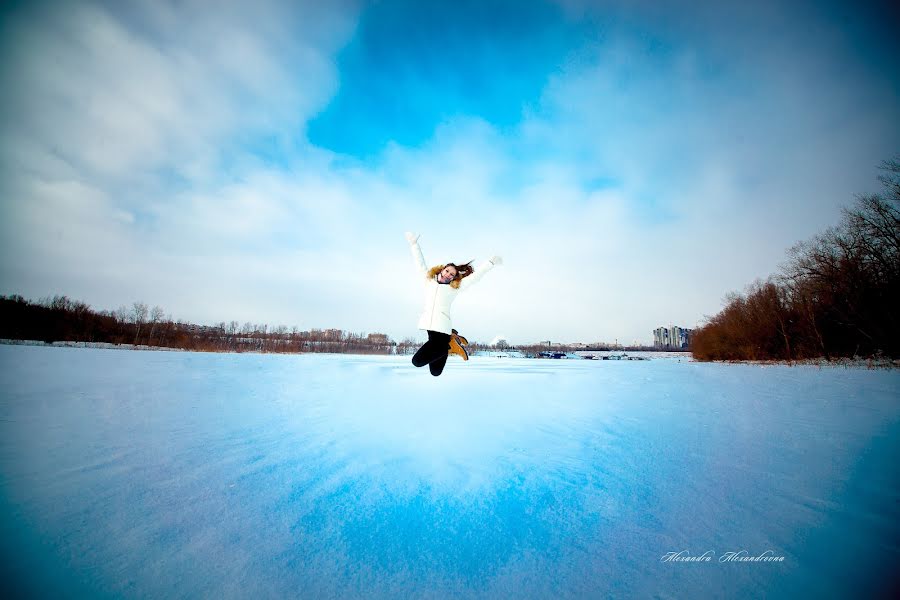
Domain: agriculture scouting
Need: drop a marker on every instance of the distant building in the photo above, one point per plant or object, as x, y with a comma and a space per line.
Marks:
194, 328
673, 338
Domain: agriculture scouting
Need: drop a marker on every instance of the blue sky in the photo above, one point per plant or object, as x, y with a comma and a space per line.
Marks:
631, 161
413, 65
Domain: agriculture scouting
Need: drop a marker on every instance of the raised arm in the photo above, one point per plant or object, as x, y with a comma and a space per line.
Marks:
418, 259
480, 270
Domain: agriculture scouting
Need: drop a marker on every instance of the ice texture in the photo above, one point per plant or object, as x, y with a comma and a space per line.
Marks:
178, 474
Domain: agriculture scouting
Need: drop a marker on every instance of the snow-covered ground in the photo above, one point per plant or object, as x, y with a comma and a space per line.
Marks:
177, 474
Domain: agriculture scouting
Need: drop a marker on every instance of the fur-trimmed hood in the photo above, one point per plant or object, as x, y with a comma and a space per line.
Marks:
433, 272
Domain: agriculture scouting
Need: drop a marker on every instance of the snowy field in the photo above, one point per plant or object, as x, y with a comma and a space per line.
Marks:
172, 474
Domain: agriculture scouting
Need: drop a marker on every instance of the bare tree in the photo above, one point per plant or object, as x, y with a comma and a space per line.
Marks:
139, 317
156, 316
835, 296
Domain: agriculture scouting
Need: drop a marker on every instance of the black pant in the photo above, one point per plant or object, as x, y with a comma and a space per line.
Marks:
434, 352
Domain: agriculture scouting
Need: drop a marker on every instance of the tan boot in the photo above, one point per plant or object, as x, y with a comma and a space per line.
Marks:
457, 344
462, 341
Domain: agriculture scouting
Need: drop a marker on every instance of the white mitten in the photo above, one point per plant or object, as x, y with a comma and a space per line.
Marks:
496, 260
411, 237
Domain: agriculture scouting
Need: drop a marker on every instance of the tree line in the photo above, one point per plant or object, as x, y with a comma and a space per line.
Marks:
835, 296
61, 319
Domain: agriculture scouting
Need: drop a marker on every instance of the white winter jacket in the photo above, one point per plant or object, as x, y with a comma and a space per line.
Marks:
439, 296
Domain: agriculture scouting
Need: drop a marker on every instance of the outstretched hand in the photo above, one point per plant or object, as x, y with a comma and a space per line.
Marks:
411, 237
496, 260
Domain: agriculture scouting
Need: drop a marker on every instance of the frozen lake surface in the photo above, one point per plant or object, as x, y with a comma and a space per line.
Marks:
169, 474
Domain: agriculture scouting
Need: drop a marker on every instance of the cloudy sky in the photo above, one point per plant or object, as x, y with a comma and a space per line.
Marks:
260, 161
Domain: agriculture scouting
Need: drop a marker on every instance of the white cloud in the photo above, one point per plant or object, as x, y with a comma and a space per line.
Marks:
130, 173
112, 99
123, 132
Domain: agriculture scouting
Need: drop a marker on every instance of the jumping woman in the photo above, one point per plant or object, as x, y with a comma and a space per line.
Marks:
442, 283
